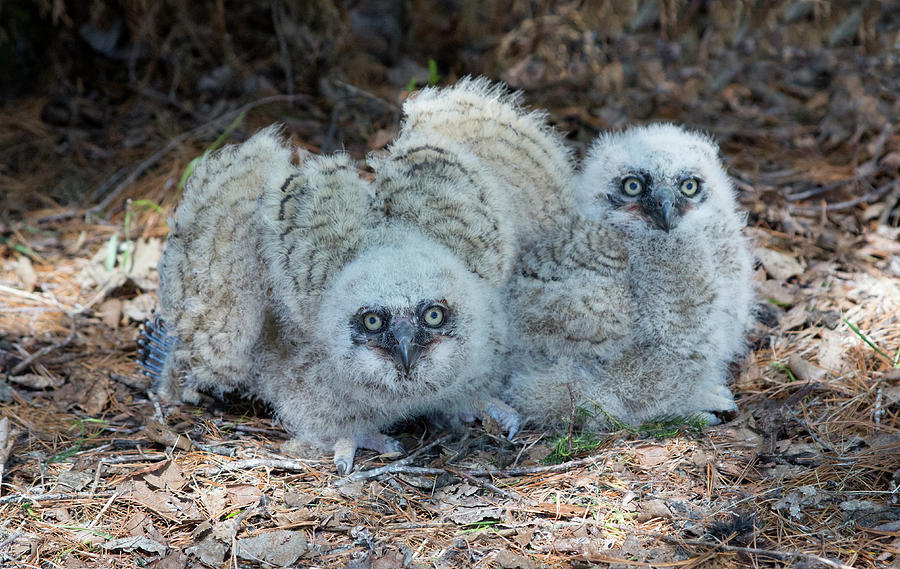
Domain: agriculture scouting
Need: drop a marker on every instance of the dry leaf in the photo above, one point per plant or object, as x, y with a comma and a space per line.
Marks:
209, 551
803, 370
131, 543
214, 500
140, 307
111, 312
509, 560
159, 433
171, 478
465, 516
650, 456
243, 495
279, 548
93, 399
780, 266
25, 271
37, 381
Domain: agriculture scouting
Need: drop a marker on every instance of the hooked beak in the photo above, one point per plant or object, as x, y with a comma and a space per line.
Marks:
662, 210
405, 353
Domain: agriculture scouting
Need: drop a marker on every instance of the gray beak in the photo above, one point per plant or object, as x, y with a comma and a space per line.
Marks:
405, 352
662, 209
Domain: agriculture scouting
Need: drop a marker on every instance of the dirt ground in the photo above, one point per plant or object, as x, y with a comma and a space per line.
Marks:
104, 106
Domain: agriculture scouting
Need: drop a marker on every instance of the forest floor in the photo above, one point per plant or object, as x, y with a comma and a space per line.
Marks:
807, 474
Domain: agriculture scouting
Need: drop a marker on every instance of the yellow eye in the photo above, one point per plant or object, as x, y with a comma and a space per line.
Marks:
433, 316
690, 186
632, 186
372, 321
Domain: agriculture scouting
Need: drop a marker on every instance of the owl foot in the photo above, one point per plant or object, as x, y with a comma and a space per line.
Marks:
507, 417
345, 449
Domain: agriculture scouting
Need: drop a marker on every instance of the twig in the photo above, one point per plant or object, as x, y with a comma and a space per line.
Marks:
389, 468
36, 298
274, 463
487, 485
5, 447
104, 508
870, 197
157, 156
284, 54
780, 555
10, 539
43, 351
19, 498
805, 195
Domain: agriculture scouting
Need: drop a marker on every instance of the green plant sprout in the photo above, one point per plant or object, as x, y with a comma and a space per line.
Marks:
433, 77
785, 369
583, 440
112, 249
895, 361
218, 142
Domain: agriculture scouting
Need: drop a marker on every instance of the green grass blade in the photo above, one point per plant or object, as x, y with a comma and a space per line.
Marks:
867, 341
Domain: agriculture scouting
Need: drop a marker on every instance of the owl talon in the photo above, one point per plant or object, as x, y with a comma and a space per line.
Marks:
344, 452
507, 417
380, 443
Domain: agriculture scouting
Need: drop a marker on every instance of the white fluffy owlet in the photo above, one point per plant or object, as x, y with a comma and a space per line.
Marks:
659, 265
389, 309
302, 287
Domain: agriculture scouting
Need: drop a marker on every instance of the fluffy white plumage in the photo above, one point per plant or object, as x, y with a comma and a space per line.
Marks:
346, 304
646, 298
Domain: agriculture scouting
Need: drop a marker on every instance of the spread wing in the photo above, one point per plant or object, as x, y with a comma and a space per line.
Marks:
213, 288
515, 144
317, 218
447, 192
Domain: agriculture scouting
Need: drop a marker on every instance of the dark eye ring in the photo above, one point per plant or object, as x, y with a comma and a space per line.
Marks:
434, 316
372, 321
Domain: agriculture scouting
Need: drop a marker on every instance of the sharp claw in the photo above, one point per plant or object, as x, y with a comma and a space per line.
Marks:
505, 415
344, 451
393, 446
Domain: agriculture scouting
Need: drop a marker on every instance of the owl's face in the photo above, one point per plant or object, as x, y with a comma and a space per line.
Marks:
408, 317
658, 177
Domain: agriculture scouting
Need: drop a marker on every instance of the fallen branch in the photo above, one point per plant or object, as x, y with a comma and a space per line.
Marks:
868, 198
780, 555
19, 498
273, 463
5, 447
484, 484
389, 468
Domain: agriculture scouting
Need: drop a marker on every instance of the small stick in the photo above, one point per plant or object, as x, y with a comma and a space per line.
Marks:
780, 555
486, 485
19, 498
43, 351
277, 464
103, 509
157, 156
870, 197
389, 468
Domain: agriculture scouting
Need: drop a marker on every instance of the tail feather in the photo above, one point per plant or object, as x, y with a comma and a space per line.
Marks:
154, 345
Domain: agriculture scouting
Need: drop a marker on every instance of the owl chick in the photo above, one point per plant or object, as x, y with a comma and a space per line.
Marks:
344, 305
380, 318
650, 293
468, 149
